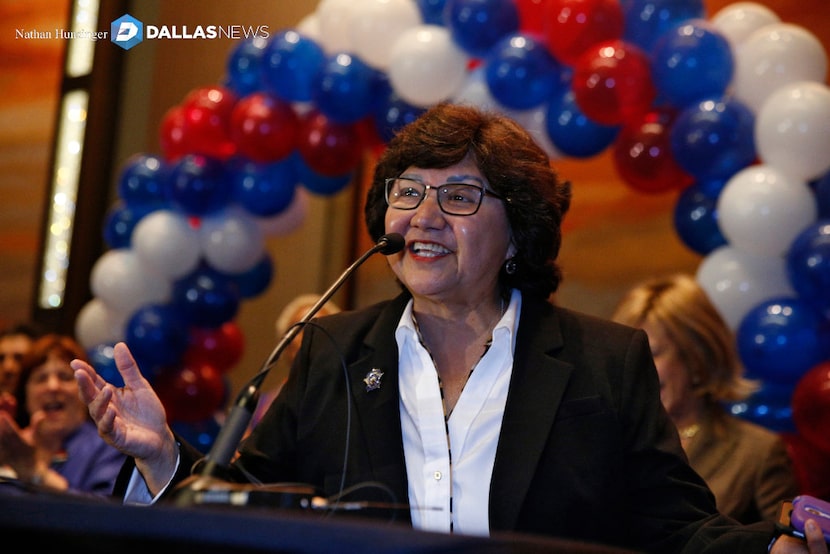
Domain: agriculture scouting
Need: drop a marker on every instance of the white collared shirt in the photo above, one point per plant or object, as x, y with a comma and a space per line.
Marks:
472, 430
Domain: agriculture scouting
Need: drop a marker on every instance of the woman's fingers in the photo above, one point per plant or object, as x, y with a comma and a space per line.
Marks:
99, 404
89, 382
127, 366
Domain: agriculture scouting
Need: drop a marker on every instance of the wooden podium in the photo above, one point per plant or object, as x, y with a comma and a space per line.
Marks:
91, 525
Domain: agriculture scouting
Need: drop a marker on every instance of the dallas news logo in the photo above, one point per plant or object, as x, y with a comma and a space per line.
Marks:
126, 31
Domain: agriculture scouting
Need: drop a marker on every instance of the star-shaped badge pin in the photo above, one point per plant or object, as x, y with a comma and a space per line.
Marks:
372, 379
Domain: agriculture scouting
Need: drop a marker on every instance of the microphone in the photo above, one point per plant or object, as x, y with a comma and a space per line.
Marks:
391, 243
230, 434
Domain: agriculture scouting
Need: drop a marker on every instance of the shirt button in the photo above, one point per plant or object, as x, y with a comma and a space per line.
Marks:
437, 475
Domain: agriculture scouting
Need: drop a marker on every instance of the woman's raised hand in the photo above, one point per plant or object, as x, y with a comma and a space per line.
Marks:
130, 418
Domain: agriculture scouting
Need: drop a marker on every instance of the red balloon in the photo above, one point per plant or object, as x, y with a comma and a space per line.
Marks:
573, 26
221, 347
643, 156
810, 465
531, 16
612, 83
207, 116
264, 127
367, 130
217, 99
329, 148
811, 406
172, 134
190, 393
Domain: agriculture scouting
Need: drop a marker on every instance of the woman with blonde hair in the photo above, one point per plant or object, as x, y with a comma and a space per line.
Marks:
746, 465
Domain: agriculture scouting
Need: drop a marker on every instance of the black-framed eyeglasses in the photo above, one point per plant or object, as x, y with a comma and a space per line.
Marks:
403, 193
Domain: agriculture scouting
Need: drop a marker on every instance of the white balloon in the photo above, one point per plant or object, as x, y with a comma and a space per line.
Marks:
379, 24
309, 26
736, 281
773, 56
125, 283
475, 92
97, 324
739, 20
792, 130
232, 241
761, 210
334, 17
167, 242
426, 66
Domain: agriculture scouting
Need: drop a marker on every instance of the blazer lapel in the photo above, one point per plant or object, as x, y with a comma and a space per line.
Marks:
537, 385
377, 408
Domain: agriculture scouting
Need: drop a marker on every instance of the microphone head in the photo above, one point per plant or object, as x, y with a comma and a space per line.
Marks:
391, 243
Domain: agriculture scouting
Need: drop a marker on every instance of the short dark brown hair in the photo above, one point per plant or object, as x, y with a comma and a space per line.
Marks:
515, 167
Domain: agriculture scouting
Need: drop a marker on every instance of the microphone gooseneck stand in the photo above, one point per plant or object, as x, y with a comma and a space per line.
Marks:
216, 463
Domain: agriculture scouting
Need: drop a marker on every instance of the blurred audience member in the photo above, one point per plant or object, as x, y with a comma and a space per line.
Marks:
54, 443
291, 314
746, 465
15, 343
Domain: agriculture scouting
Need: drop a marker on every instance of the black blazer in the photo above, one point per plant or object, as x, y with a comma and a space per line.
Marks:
586, 450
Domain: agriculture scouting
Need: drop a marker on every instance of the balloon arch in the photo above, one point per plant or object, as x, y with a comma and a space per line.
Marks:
730, 111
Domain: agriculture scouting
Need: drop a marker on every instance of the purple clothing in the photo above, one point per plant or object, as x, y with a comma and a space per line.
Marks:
90, 464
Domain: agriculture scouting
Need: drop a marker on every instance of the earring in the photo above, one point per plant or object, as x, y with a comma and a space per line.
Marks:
511, 266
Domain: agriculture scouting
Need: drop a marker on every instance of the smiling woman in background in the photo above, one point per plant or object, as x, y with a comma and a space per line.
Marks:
54, 443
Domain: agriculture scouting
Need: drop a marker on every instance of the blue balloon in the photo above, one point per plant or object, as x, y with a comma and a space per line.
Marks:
263, 189
244, 67
691, 61
647, 20
782, 338
572, 132
821, 188
477, 25
143, 180
255, 281
432, 11
808, 265
206, 297
714, 138
343, 88
290, 64
199, 185
102, 359
696, 221
120, 221
712, 188
521, 73
770, 407
392, 114
157, 334
323, 185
